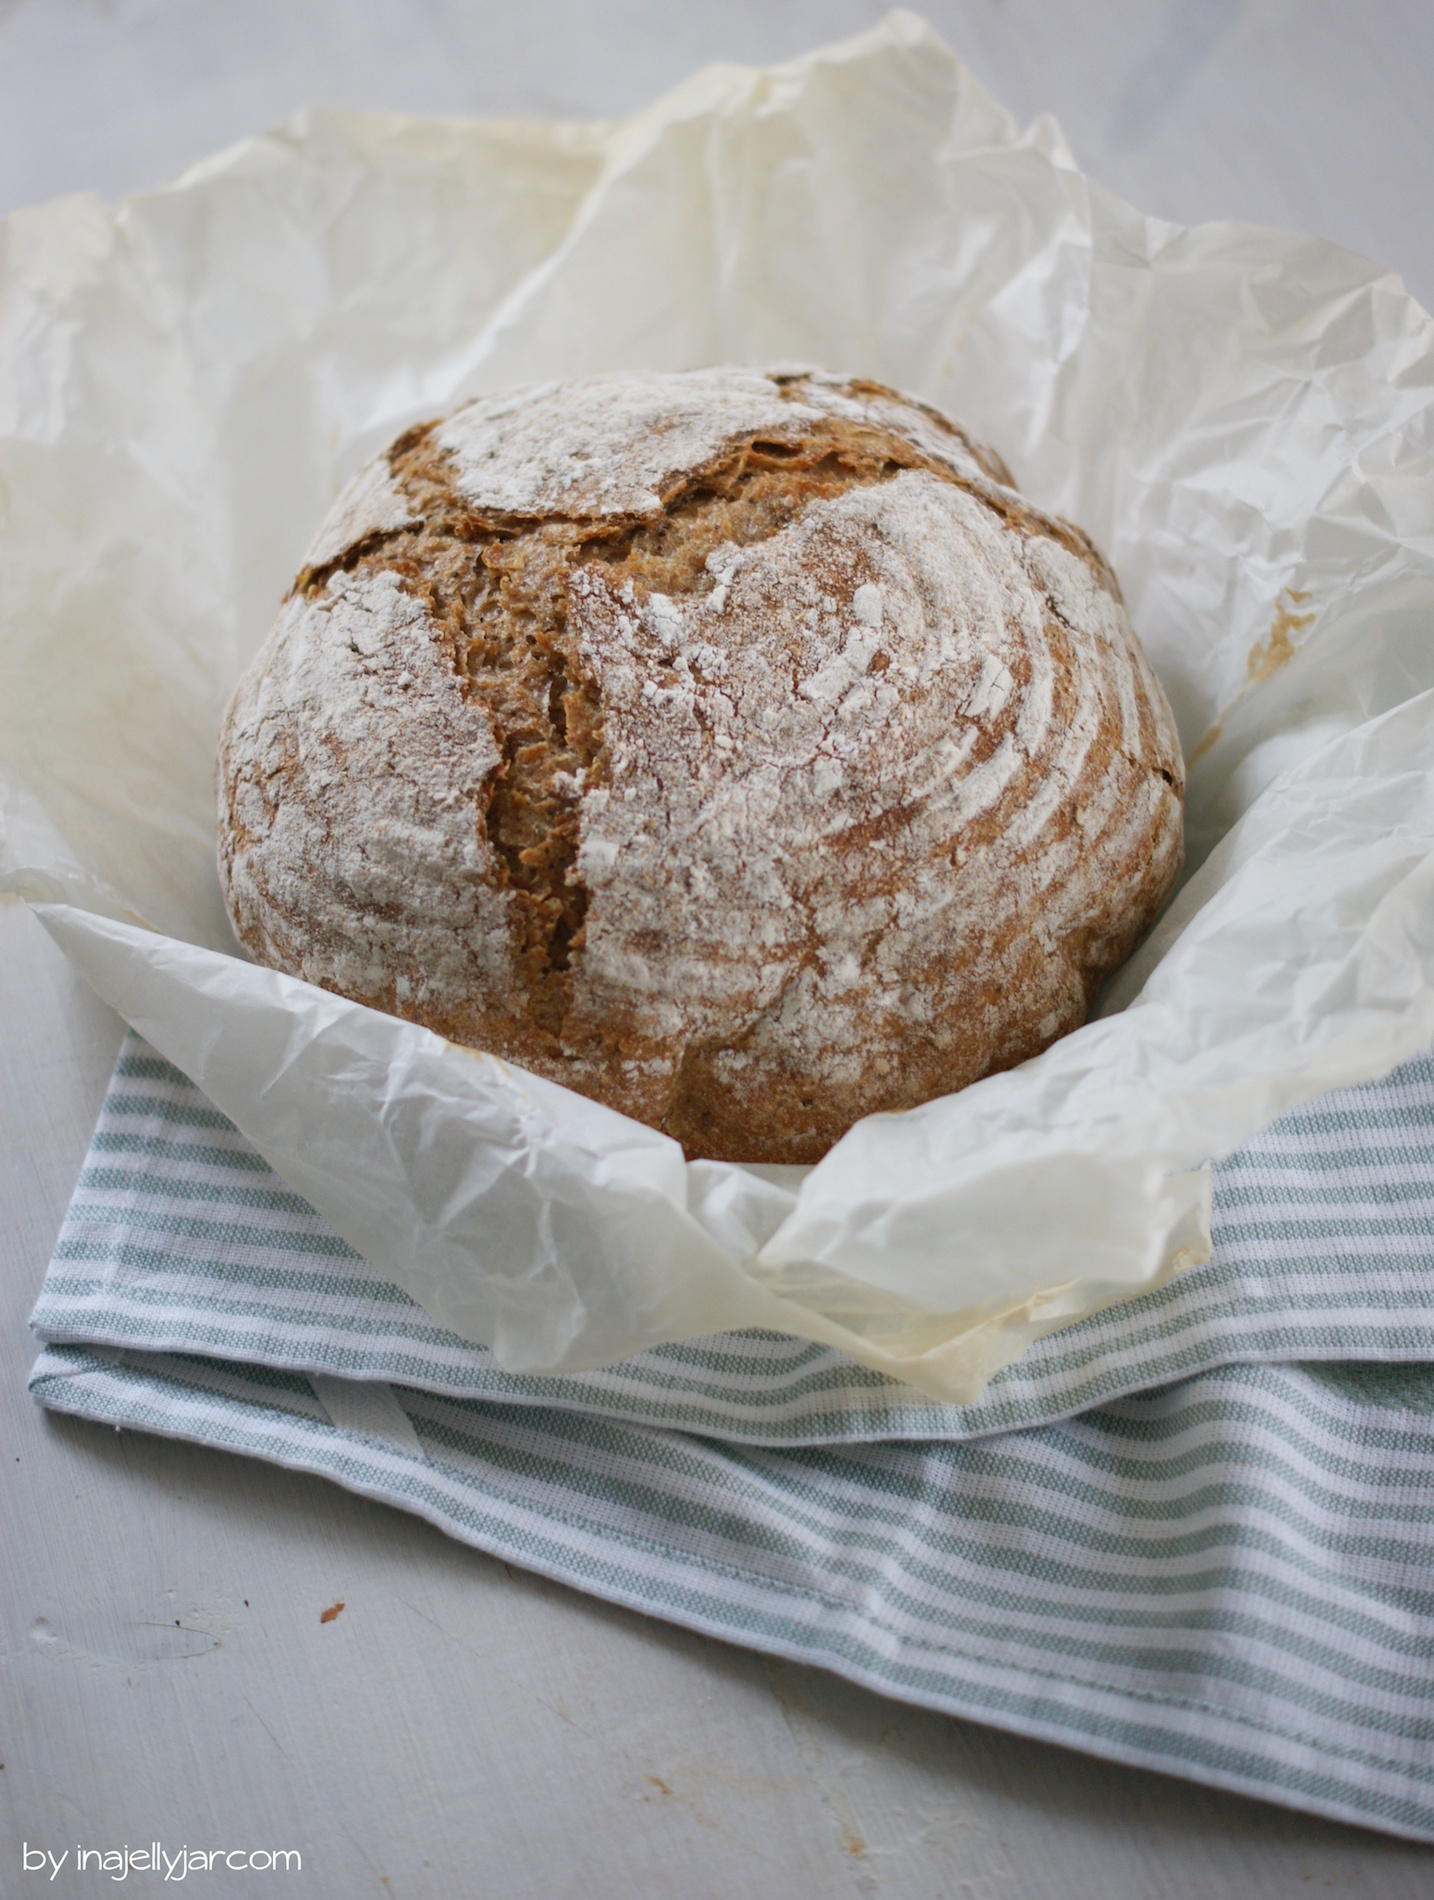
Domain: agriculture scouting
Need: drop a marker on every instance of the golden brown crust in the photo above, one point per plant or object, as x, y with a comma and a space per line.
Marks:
740, 750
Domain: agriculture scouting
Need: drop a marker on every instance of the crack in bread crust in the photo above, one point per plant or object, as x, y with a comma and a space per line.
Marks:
810, 770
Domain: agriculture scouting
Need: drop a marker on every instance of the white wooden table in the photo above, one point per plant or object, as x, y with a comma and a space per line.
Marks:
463, 1729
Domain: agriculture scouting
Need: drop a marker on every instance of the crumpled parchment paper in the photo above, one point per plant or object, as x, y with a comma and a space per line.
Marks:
1241, 418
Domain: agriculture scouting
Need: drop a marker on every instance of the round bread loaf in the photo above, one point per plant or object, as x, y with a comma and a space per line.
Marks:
739, 749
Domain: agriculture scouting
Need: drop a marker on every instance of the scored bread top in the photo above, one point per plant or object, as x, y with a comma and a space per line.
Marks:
738, 748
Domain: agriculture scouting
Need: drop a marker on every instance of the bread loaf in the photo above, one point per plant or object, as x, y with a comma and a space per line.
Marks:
737, 748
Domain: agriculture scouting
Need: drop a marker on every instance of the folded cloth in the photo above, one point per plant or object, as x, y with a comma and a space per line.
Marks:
181, 1239
1225, 1571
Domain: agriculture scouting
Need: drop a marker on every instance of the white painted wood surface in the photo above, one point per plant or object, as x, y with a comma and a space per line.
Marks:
461, 1728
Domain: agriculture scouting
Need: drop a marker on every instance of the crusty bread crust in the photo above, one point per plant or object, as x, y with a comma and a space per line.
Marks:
739, 749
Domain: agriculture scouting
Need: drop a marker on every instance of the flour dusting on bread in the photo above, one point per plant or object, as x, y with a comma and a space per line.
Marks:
740, 749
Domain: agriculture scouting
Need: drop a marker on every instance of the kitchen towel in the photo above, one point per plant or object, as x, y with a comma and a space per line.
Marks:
1194, 1532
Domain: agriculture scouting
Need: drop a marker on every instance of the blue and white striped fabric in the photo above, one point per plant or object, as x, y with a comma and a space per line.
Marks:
1222, 1568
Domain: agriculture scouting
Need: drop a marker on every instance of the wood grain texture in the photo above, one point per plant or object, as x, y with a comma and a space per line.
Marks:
462, 1729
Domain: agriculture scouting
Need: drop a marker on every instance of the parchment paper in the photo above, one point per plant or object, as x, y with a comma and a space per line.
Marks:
1242, 418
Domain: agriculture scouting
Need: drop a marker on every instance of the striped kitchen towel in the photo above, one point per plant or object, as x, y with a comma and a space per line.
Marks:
1194, 1532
